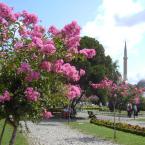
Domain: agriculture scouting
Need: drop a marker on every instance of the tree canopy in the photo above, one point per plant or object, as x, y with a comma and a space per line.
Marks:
97, 68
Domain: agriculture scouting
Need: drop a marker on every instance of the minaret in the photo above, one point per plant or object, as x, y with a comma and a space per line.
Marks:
125, 64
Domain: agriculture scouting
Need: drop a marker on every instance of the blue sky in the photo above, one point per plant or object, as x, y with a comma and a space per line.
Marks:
109, 21
58, 12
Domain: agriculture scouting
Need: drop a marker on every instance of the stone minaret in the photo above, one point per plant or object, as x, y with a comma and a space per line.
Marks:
125, 64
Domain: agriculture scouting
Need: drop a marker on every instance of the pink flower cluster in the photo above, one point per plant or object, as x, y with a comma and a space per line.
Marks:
30, 74
66, 69
31, 94
36, 41
72, 29
47, 114
46, 65
18, 45
29, 18
38, 31
53, 30
58, 65
123, 89
24, 68
70, 71
82, 72
106, 83
137, 100
5, 97
73, 92
70, 35
6, 14
88, 53
48, 48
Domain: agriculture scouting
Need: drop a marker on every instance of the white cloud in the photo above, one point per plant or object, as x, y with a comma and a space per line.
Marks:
105, 29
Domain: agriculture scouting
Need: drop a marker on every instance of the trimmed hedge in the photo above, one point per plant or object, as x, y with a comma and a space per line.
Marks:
135, 129
95, 108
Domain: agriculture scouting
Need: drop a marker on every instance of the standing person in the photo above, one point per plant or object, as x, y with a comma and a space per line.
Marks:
129, 109
134, 110
65, 112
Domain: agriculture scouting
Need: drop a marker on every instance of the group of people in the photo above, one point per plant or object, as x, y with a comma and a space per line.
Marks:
68, 112
132, 109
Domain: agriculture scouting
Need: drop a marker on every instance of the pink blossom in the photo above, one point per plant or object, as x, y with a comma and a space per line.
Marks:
53, 30
70, 72
58, 66
18, 45
48, 49
137, 100
6, 13
96, 86
72, 29
37, 41
23, 31
24, 68
105, 83
71, 36
73, 50
33, 75
46, 65
31, 94
17, 15
73, 42
38, 31
73, 92
47, 114
29, 18
5, 97
3, 21
88, 53
82, 72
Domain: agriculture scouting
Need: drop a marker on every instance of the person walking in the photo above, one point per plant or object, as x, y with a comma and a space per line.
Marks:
129, 109
134, 110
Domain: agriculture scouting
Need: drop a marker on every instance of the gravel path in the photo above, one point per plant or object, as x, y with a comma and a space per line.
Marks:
56, 133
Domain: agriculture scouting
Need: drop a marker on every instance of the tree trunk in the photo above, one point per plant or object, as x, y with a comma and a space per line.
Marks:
114, 123
13, 138
3, 130
69, 112
75, 102
26, 126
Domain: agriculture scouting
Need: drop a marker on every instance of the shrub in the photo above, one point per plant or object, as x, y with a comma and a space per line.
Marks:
135, 129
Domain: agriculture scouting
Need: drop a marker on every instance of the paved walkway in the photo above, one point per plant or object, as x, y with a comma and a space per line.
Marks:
121, 119
56, 133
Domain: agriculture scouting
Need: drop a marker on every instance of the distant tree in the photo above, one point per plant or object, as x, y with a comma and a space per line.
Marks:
141, 83
96, 69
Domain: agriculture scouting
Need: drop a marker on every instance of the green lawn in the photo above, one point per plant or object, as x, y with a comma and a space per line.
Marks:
140, 119
107, 133
20, 139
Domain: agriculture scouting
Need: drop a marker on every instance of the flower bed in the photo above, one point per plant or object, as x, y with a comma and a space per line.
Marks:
135, 129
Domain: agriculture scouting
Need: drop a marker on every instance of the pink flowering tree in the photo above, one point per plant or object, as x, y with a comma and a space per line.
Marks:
95, 65
118, 92
35, 66
124, 92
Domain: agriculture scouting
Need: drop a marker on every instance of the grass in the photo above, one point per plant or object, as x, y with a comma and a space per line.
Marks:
140, 119
20, 139
107, 133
